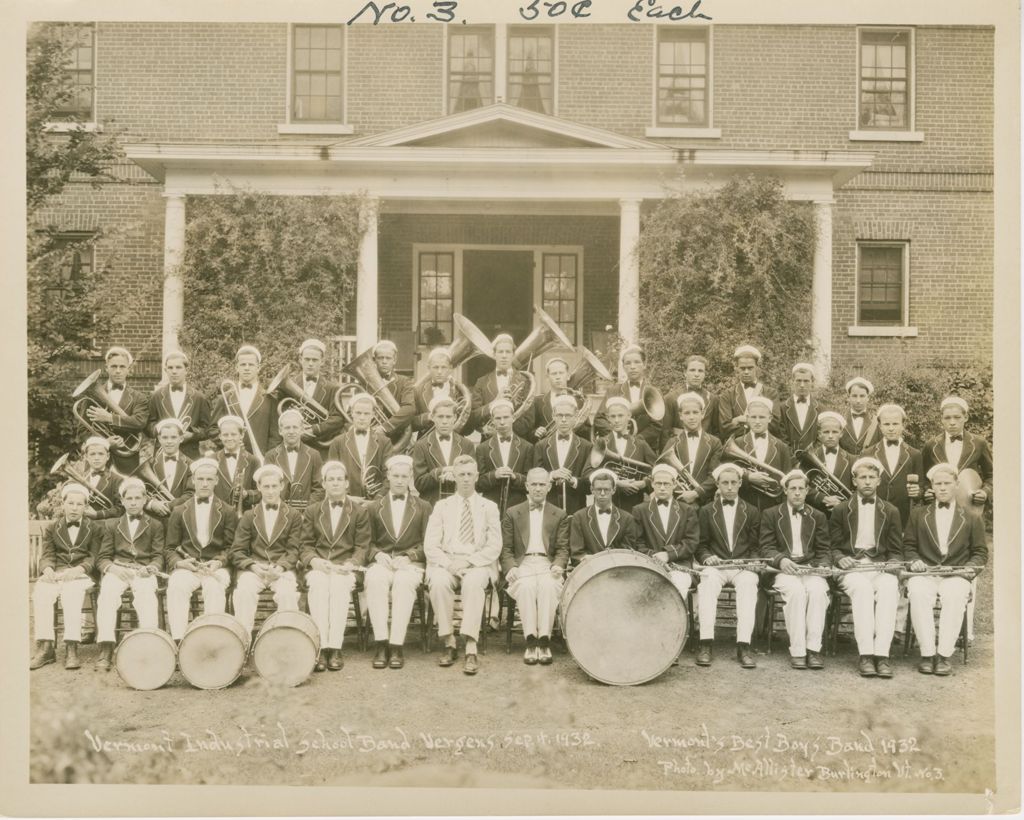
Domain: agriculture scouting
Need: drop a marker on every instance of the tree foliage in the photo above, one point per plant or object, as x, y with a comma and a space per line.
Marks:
724, 267
265, 270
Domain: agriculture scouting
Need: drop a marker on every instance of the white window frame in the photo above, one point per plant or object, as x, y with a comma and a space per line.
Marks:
328, 128
874, 135
697, 132
904, 329
93, 124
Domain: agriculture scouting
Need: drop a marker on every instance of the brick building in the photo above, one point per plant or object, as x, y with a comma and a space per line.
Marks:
510, 165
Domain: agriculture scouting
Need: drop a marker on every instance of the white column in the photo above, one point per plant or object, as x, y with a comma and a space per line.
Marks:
629, 269
821, 290
366, 282
174, 252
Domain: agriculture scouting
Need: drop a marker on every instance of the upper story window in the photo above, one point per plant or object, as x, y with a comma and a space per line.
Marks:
80, 41
531, 68
885, 80
882, 283
470, 68
683, 74
317, 74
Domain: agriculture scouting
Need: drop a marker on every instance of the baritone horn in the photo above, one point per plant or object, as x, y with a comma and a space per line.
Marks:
819, 477
65, 468
628, 469
290, 396
90, 393
685, 481
155, 488
735, 453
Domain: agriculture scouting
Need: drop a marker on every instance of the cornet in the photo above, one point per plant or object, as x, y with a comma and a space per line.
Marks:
64, 468
90, 393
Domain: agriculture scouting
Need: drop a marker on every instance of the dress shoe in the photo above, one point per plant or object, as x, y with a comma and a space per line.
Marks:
798, 662
45, 653
380, 660
396, 660
106, 655
882, 667
71, 655
448, 656
866, 666
321, 663
472, 666
530, 655
927, 665
942, 666
814, 660
335, 661
744, 656
544, 655
704, 654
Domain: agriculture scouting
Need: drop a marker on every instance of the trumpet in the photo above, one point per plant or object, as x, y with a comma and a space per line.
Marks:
819, 477
232, 403
90, 393
629, 469
290, 396
735, 453
685, 482
63, 467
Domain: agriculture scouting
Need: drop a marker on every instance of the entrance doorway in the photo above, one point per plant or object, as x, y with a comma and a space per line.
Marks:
497, 296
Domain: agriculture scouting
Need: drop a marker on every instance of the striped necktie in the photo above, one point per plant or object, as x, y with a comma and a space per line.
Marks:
466, 524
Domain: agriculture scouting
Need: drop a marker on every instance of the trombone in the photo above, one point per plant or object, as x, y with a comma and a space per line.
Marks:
63, 467
233, 404
90, 393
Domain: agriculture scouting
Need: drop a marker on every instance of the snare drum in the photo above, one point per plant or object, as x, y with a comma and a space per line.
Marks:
145, 658
213, 651
623, 619
286, 648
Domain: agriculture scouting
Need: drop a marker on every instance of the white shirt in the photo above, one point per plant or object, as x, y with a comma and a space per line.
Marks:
177, 400
634, 392
397, 512
801, 410
73, 531
620, 443
562, 449
245, 398
133, 527
796, 520
603, 523
115, 393
443, 390
865, 525
293, 459
231, 462
94, 480
535, 545
892, 455
446, 449
729, 513
170, 470
692, 443
857, 422
270, 517
943, 526
505, 448
203, 522
362, 442
761, 447
954, 449
502, 380
751, 390
830, 460
310, 387
335, 517
663, 513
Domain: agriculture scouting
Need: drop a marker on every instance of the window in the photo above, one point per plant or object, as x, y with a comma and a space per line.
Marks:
80, 66
317, 74
559, 290
470, 68
531, 65
885, 68
881, 283
682, 76
437, 298
75, 260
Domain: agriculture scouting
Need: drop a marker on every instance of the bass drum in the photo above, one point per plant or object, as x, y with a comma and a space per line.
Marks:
286, 648
213, 651
623, 619
146, 658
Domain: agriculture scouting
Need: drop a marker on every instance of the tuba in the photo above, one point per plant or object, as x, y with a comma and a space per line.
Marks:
546, 336
686, 481
588, 367
229, 393
64, 468
90, 393
364, 370
468, 342
819, 477
290, 396
601, 455
735, 453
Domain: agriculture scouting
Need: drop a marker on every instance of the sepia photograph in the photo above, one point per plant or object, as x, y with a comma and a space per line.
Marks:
522, 396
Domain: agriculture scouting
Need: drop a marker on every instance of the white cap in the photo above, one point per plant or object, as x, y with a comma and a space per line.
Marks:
316, 344
201, 463
617, 401
331, 467
503, 337
564, 400
803, 367
96, 441
439, 352
954, 400
175, 354
268, 469
437, 401
500, 402
684, 398
237, 421
668, 469
73, 487
358, 397
892, 408
385, 345
763, 401
941, 467
862, 382
727, 465
604, 472
170, 422
630, 348
250, 349
399, 460
867, 461
747, 350
832, 415
554, 359
290, 413
796, 473
130, 483
118, 351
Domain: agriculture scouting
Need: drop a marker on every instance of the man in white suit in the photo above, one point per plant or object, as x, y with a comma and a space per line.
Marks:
462, 546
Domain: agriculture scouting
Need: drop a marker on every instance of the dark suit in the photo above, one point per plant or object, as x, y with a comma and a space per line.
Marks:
304, 488
870, 433
146, 549
59, 553
635, 449
714, 540
488, 459
128, 421
245, 469
797, 437
714, 533
585, 533
732, 402
323, 432
975, 455
545, 454
350, 542
707, 457
535, 587
407, 539
967, 545
401, 387
842, 528
254, 544
648, 429
777, 455
893, 486
428, 462
672, 425
486, 390
541, 414
515, 535
181, 484
423, 395
345, 450
679, 540
262, 418
182, 539
195, 408
776, 537
107, 487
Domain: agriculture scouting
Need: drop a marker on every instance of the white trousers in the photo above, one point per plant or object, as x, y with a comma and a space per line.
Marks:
247, 593
805, 601
952, 594
536, 592
442, 586
712, 580
874, 597
71, 595
182, 584
330, 594
385, 585
681, 581
109, 602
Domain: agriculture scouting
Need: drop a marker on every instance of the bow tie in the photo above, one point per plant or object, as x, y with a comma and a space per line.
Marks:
505, 439
398, 498
445, 437
231, 455
795, 511
831, 451
801, 399
135, 517
857, 415
337, 505
170, 458
634, 384
956, 438
728, 502
503, 373
943, 505
291, 449
437, 385
116, 386
760, 435
662, 502
604, 512
76, 522
693, 435
892, 444
361, 432
180, 389
866, 501
203, 500
311, 379
269, 507
621, 436
537, 507
563, 436
246, 386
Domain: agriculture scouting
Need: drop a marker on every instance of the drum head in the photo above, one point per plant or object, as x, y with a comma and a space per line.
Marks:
285, 655
625, 625
145, 659
211, 655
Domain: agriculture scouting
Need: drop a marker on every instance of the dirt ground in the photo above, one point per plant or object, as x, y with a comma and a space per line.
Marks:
722, 728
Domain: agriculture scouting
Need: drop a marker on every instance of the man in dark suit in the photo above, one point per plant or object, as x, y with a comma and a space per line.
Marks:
534, 554
902, 469
728, 532
504, 382
668, 529
334, 542
176, 399
299, 462
104, 500
130, 556
732, 402
258, 409
236, 468
265, 550
697, 450
619, 442
319, 388
634, 363
385, 357
837, 461
941, 534
793, 538
672, 425
602, 525
171, 468
759, 488
65, 574
799, 411
503, 459
861, 431
362, 449
398, 524
962, 450
566, 457
865, 531
129, 419
199, 534
433, 455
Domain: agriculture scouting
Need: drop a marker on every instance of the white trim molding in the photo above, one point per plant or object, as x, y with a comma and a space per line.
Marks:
338, 129
882, 330
896, 135
887, 136
685, 133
